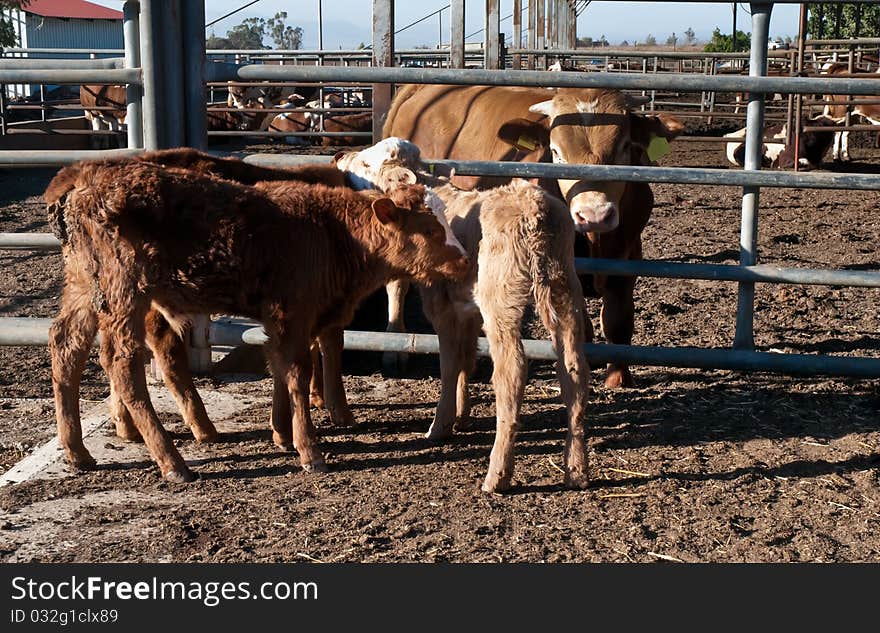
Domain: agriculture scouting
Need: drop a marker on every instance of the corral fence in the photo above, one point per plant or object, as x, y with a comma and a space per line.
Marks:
859, 54
172, 39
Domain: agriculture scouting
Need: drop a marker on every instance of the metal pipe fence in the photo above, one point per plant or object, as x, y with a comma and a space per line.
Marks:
752, 179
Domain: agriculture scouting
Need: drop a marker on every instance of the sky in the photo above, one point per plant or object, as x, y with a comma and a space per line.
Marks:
348, 22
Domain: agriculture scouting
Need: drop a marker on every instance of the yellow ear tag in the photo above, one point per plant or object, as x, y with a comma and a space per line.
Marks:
526, 142
658, 147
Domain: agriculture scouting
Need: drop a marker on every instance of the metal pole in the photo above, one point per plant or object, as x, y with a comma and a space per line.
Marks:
174, 103
540, 44
733, 36
456, 41
491, 51
517, 32
151, 63
531, 35
748, 241
134, 94
320, 25
383, 55
196, 135
799, 99
194, 61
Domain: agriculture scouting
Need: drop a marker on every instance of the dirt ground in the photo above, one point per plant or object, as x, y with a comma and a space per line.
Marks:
690, 465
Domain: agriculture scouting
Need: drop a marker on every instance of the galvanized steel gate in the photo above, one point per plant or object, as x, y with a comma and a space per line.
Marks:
164, 68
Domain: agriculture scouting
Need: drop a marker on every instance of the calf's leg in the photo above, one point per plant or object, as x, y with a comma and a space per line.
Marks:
332, 343
124, 350
316, 386
560, 311
70, 339
618, 323
394, 363
170, 352
508, 380
291, 361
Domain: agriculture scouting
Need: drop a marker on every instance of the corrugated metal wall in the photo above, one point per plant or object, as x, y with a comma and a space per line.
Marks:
60, 33
35, 31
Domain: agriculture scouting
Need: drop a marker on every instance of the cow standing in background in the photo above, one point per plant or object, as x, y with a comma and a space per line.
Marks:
110, 96
592, 126
837, 113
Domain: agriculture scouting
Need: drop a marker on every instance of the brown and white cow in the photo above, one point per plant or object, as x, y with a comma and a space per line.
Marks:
296, 257
109, 96
774, 151
837, 113
590, 126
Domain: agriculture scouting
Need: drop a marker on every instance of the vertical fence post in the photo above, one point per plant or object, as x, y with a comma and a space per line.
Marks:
491, 49
192, 33
530, 58
748, 241
517, 32
150, 43
195, 96
539, 42
383, 55
133, 94
456, 42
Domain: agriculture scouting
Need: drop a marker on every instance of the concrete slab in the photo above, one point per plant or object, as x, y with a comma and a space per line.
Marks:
47, 461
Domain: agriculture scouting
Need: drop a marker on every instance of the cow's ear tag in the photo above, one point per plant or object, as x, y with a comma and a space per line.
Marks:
526, 142
658, 147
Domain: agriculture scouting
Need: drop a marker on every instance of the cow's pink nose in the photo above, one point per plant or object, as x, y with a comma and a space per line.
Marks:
596, 218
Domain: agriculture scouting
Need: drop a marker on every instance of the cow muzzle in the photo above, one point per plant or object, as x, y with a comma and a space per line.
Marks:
594, 213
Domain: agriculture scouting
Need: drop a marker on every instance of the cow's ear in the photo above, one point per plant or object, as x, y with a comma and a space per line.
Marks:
524, 135
645, 128
386, 211
337, 156
544, 107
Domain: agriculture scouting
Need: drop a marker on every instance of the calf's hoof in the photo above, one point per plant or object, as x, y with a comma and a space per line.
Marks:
619, 378
315, 467
496, 483
463, 423
180, 475
128, 433
577, 480
282, 442
341, 417
205, 435
81, 461
394, 363
438, 433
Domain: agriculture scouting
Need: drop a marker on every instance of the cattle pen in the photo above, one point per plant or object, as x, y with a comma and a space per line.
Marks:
151, 127
169, 75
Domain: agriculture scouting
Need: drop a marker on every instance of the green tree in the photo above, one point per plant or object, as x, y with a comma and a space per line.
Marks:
672, 40
285, 37
689, 36
833, 21
650, 40
723, 43
251, 32
7, 30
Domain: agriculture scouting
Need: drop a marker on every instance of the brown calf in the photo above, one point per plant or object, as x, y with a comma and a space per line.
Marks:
523, 238
296, 257
166, 344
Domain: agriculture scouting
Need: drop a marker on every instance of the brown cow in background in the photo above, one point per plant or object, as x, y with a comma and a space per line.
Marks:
591, 126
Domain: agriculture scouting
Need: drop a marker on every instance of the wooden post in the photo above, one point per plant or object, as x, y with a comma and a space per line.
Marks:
517, 32
491, 48
532, 34
540, 44
456, 41
383, 56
